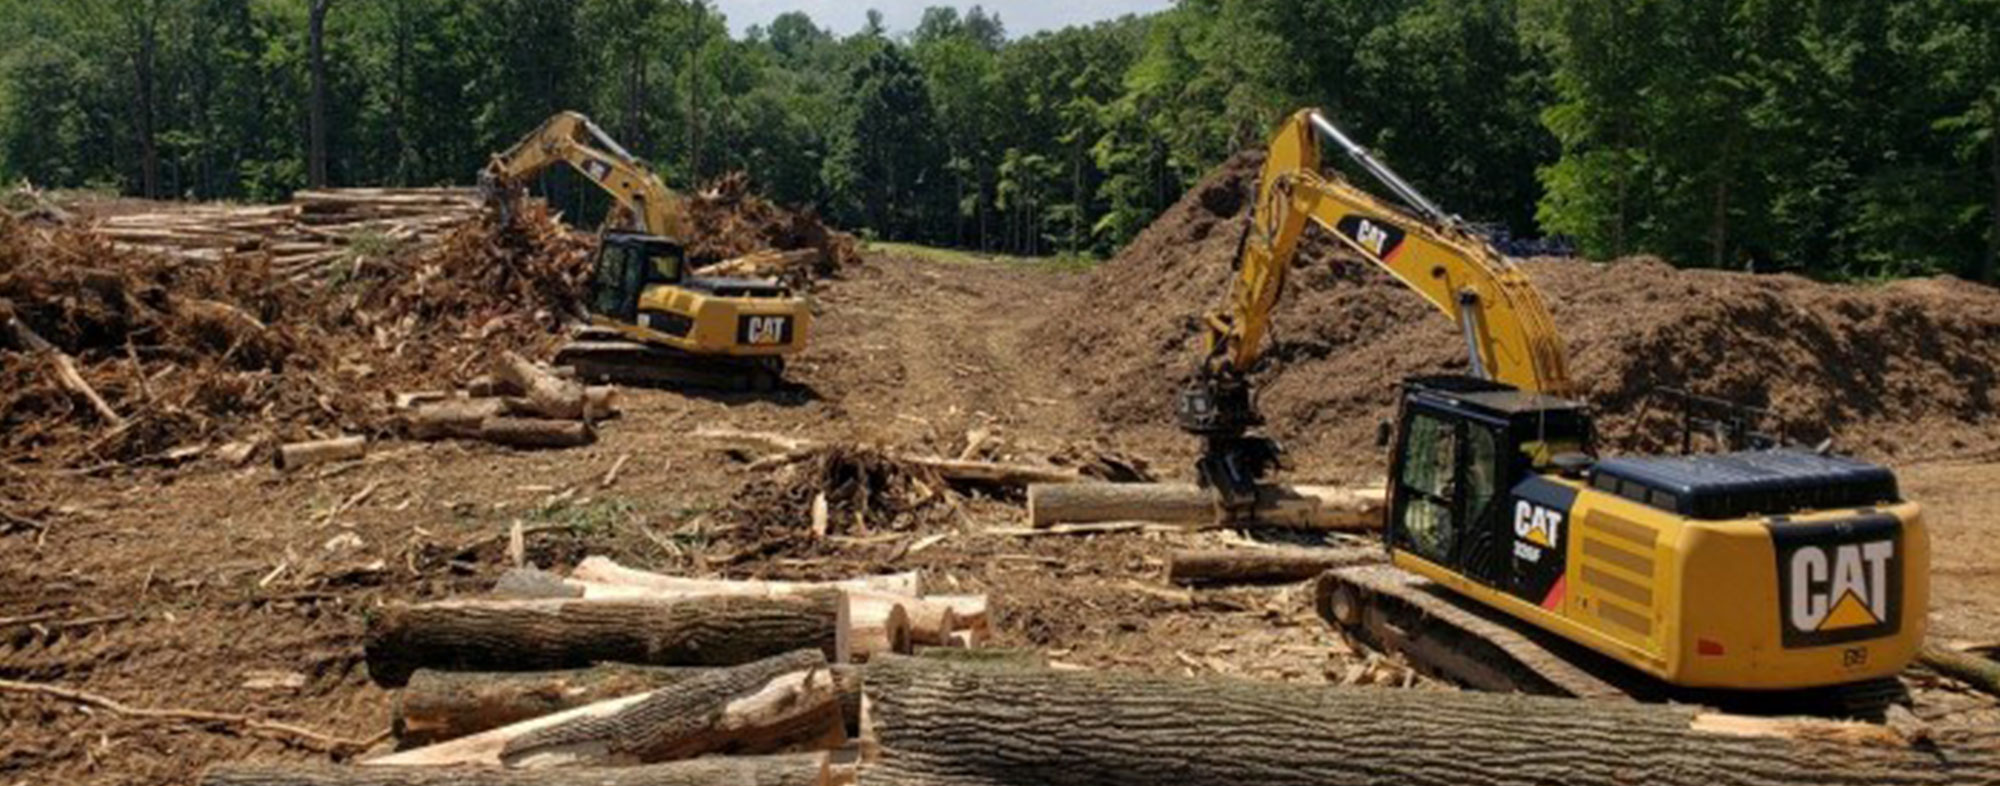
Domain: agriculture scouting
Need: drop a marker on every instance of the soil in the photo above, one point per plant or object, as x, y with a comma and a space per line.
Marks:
1897, 372
245, 590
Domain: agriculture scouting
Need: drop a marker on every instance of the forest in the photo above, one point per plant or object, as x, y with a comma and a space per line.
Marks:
1844, 139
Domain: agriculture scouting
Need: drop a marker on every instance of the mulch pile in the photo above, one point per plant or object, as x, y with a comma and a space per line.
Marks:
1903, 370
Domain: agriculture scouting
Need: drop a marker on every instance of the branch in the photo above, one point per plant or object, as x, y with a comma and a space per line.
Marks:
235, 724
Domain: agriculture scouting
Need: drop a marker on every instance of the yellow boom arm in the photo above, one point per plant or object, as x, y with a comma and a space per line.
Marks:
645, 204
1507, 327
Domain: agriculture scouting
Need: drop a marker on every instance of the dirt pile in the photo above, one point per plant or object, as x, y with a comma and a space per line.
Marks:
727, 221
1901, 370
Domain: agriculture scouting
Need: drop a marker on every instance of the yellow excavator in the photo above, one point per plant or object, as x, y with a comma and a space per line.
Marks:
1758, 577
652, 320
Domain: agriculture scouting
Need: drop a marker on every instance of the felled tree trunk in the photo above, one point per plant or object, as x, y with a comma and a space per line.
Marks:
799, 769
1979, 672
546, 394
766, 706
536, 432
300, 455
445, 705
519, 635
1298, 507
604, 570
1263, 566
452, 418
940, 724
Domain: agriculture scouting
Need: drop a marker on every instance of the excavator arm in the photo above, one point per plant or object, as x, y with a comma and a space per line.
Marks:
1509, 335
644, 203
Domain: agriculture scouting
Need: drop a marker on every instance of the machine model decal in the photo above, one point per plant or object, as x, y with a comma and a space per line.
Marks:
1840, 581
1539, 524
1376, 237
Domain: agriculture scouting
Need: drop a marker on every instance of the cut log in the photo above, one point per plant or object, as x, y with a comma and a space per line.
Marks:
798, 769
990, 473
547, 394
600, 402
880, 625
606, 571
452, 419
1263, 565
521, 635
931, 624
1979, 672
790, 701
1295, 507
299, 455
536, 432
968, 610
445, 705
1055, 728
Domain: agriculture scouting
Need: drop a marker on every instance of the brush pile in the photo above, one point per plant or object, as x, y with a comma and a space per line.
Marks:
728, 223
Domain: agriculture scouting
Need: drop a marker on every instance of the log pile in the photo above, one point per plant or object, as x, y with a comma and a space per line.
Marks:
303, 237
520, 404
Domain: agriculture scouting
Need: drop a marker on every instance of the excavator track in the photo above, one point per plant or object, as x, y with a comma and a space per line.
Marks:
604, 356
1451, 638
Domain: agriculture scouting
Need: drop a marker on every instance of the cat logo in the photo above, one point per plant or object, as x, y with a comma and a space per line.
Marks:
1378, 239
1535, 528
764, 331
1844, 586
1840, 581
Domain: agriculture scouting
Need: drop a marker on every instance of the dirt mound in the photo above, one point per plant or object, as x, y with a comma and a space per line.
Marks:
1901, 370
727, 221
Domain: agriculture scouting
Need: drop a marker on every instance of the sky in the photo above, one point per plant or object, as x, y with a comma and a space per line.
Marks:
1022, 17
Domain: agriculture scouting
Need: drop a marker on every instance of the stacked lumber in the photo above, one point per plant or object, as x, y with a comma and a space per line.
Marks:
519, 404
302, 238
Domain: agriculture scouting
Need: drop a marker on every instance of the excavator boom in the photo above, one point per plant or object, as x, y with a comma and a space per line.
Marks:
1509, 335
644, 203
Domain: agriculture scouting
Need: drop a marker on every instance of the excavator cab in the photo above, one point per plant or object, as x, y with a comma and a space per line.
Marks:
627, 263
1465, 447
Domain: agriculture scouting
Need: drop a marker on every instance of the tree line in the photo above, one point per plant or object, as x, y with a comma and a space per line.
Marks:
1842, 138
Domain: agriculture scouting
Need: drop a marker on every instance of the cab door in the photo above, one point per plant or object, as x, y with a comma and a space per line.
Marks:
616, 280
1450, 470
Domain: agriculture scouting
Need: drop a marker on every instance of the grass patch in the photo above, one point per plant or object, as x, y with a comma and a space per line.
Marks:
588, 517
955, 256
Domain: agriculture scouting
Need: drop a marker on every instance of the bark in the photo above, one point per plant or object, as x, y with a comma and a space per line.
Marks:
1263, 565
536, 432
518, 635
1979, 672
445, 705
800, 769
316, 108
453, 418
299, 455
939, 724
1299, 507
919, 622
606, 571
547, 394
765, 706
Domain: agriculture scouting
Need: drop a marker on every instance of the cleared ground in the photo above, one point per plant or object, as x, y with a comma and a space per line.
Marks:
213, 577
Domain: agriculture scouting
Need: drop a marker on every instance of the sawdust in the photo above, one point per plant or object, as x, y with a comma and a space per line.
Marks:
1898, 370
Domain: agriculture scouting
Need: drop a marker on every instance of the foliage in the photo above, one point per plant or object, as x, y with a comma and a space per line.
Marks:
1843, 138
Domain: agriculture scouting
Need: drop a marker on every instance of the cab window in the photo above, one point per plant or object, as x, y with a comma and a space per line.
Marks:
1429, 464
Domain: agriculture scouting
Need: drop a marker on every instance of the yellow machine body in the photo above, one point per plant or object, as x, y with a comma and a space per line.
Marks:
735, 327
1705, 603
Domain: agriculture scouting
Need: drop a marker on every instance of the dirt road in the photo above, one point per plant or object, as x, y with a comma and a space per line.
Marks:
243, 590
